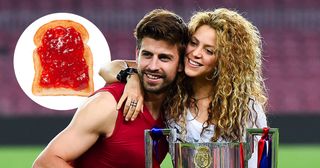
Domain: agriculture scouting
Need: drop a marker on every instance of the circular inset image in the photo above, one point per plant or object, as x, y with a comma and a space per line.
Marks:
50, 69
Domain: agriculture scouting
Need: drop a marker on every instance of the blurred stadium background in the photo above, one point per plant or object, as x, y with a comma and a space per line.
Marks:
291, 35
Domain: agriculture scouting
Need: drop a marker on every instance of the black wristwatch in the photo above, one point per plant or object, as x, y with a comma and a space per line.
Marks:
123, 74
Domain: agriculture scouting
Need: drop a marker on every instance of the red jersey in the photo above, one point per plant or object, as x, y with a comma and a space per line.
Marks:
125, 147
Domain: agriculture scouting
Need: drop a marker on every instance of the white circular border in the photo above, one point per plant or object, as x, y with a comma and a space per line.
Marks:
24, 68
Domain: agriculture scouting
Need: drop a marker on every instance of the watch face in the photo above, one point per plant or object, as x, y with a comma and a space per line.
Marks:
122, 76
132, 70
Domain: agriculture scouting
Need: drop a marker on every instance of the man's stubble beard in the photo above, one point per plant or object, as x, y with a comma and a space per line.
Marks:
159, 89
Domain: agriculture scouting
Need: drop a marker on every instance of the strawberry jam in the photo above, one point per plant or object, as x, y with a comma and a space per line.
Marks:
61, 56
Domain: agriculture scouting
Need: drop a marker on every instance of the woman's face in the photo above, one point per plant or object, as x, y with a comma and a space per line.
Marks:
200, 60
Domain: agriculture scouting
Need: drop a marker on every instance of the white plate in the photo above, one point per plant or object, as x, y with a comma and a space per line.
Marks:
23, 61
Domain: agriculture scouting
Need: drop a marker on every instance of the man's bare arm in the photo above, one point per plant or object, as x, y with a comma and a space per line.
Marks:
96, 117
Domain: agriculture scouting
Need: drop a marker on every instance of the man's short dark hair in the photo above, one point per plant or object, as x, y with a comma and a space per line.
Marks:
160, 24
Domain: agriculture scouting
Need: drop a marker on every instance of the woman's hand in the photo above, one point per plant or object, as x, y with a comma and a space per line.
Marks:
133, 98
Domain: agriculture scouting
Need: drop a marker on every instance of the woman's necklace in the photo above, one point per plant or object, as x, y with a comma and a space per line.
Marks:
197, 106
197, 99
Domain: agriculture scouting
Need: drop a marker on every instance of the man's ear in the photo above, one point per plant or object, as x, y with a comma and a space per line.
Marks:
137, 54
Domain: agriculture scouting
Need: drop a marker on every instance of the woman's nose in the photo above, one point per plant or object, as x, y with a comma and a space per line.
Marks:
197, 52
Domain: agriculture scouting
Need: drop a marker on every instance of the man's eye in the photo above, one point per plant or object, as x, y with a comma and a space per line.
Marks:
146, 54
165, 59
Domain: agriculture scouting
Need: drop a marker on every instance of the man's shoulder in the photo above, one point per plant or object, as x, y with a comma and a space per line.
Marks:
100, 110
116, 89
112, 86
103, 99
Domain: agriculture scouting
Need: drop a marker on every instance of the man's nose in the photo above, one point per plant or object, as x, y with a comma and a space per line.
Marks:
154, 64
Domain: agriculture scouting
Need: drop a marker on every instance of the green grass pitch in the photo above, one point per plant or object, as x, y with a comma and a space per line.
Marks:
290, 156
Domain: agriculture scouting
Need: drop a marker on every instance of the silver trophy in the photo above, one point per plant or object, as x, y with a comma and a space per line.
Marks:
211, 155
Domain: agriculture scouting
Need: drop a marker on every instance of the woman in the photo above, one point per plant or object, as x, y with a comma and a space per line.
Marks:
222, 92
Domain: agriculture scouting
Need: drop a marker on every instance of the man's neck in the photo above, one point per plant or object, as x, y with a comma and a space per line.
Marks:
154, 102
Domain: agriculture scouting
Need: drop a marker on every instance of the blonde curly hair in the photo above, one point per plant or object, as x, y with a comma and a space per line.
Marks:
238, 49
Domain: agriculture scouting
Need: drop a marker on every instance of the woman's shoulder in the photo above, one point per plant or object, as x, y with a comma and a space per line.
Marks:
257, 112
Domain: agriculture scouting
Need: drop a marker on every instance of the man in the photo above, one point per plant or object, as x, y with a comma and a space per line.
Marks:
98, 135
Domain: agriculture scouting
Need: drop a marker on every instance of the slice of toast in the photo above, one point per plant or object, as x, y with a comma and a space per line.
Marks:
43, 90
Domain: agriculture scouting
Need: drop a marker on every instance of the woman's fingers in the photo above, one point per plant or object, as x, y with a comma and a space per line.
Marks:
137, 110
122, 99
134, 111
133, 106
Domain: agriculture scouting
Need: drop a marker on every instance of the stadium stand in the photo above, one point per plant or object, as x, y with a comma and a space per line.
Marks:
290, 31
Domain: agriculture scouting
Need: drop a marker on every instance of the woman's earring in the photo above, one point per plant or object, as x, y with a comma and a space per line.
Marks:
215, 74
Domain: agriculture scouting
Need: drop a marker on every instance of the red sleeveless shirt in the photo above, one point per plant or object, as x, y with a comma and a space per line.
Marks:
125, 147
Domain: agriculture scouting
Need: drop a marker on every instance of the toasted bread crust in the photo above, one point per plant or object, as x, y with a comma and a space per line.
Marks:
41, 91
64, 23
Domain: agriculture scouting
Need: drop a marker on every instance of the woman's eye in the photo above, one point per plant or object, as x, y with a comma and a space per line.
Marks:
210, 52
193, 43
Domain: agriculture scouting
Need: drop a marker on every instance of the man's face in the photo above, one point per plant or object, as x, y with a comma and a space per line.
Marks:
158, 63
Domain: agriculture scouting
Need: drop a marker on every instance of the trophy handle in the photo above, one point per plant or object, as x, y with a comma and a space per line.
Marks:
249, 145
148, 142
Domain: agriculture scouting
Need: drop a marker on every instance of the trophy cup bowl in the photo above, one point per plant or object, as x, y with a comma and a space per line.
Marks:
212, 154
208, 155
